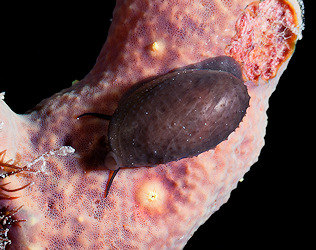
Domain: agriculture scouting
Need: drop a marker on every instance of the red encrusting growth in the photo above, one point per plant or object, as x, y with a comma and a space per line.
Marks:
265, 37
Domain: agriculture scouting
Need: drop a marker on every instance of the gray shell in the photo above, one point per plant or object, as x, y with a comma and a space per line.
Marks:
178, 115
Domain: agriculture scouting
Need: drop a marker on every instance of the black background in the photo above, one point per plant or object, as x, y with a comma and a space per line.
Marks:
43, 48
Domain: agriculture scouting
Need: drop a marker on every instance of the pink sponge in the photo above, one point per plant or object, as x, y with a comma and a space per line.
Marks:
53, 165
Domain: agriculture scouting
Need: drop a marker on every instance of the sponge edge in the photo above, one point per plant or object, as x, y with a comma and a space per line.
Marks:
11, 127
299, 8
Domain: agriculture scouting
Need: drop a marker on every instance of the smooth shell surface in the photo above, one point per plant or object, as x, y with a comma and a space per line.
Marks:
178, 115
219, 63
